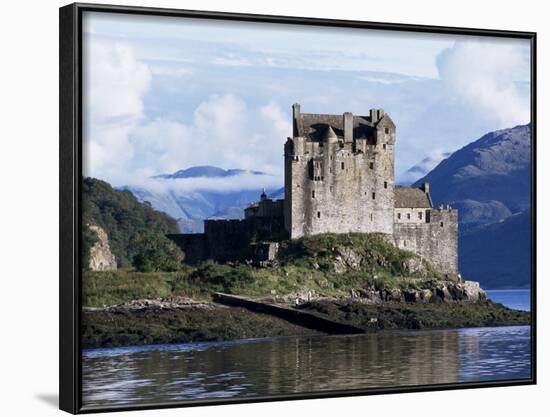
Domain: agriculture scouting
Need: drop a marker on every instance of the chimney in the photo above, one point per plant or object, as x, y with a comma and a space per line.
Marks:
380, 113
425, 187
295, 119
373, 115
348, 127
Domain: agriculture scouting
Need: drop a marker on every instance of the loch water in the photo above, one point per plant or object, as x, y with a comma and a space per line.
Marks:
280, 366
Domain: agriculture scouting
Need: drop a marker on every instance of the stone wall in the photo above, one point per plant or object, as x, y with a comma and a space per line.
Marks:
193, 245
340, 187
436, 241
411, 215
229, 240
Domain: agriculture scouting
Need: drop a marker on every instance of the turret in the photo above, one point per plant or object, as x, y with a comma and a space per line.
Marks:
330, 136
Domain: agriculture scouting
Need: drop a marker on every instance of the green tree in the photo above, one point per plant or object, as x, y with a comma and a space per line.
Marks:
121, 215
153, 252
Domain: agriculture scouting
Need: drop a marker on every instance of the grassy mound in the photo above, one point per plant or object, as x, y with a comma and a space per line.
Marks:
328, 265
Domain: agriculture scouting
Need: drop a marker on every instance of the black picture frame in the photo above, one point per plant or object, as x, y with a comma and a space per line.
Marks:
70, 127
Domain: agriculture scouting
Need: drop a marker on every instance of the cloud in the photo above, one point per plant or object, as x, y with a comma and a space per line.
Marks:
115, 83
483, 75
232, 60
224, 132
245, 181
123, 145
280, 120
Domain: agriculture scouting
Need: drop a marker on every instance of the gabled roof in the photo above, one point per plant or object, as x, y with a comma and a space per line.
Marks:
406, 197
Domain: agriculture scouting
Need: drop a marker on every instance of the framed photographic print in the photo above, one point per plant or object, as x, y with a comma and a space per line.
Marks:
257, 208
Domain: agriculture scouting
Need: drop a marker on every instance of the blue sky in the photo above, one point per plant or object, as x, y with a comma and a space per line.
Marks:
162, 94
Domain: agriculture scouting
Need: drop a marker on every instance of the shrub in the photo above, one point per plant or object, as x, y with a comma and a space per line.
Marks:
153, 251
222, 277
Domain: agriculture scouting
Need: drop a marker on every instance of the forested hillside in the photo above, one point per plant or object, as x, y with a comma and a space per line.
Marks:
121, 215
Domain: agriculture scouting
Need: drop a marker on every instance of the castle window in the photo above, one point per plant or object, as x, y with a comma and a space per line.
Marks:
385, 184
386, 130
322, 178
373, 196
331, 189
318, 214
371, 165
371, 217
441, 224
384, 146
330, 170
408, 216
419, 215
342, 165
313, 194
405, 243
399, 216
331, 157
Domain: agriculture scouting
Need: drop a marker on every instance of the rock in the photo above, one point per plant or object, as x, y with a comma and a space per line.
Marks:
473, 291
413, 265
101, 257
425, 295
411, 295
346, 259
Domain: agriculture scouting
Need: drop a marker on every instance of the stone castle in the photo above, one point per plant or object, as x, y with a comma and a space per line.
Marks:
339, 178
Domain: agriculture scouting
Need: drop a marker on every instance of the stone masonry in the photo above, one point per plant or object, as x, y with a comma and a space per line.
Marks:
339, 178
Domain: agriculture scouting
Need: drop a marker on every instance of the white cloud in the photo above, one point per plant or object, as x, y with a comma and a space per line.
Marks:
245, 181
232, 60
280, 120
224, 132
114, 85
483, 74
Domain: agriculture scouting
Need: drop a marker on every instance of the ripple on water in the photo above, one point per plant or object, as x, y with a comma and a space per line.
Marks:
245, 368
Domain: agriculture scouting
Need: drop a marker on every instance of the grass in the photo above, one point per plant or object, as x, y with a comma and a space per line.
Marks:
305, 264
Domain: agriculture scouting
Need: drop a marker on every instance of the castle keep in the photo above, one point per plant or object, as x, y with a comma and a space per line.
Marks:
339, 178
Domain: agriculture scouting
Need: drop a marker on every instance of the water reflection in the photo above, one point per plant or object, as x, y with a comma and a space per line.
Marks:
293, 365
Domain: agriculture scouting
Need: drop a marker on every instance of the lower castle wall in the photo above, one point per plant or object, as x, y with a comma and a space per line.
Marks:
192, 244
436, 241
229, 240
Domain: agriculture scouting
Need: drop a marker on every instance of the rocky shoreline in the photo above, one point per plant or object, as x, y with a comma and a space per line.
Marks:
182, 320
177, 320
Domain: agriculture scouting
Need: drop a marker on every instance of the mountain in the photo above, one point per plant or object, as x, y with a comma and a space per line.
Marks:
422, 168
192, 205
499, 255
487, 180
207, 171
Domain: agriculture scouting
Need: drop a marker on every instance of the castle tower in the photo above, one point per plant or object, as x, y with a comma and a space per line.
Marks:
339, 173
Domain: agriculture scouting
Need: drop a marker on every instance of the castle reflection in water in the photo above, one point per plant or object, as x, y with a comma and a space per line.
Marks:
303, 365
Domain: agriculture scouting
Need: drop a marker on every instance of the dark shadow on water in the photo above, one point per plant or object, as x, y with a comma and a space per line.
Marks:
50, 399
